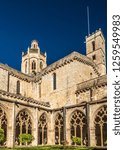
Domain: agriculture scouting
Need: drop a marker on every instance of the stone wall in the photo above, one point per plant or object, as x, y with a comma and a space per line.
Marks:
67, 78
3, 79
97, 94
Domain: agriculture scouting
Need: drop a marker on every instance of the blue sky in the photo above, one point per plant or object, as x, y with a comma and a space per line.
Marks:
60, 26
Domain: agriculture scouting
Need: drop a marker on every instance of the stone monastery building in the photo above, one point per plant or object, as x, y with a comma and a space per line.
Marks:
56, 102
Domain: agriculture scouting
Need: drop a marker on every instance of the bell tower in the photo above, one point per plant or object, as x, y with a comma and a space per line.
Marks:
95, 49
33, 61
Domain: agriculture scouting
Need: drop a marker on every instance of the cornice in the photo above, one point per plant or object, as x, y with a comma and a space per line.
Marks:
16, 73
21, 98
96, 82
74, 56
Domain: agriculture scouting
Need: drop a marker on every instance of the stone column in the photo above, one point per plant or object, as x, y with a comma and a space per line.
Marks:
92, 137
92, 109
11, 128
51, 131
88, 123
68, 130
35, 128
64, 122
91, 127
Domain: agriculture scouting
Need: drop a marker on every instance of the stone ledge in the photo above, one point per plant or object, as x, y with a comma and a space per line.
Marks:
97, 82
22, 98
74, 56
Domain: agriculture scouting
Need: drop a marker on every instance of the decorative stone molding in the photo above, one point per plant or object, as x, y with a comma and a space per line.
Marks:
16, 73
22, 98
97, 82
74, 56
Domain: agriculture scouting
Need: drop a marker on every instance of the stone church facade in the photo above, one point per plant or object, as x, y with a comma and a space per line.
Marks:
56, 102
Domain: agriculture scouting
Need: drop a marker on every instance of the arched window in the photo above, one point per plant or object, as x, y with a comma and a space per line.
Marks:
41, 65
54, 81
94, 57
42, 129
59, 129
93, 45
34, 46
33, 65
23, 124
78, 126
26, 67
101, 126
3, 123
18, 87
39, 90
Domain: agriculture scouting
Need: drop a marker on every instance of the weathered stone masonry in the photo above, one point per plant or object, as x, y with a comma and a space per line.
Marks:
56, 102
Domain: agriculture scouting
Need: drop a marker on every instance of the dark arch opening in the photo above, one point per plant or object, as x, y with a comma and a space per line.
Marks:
78, 127
59, 134
3, 124
23, 125
101, 126
42, 129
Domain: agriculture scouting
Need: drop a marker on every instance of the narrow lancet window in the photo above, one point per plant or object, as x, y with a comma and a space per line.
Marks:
41, 65
94, 57
54, 81
93, 45
26, 67
18, 87
39, 90
33, 65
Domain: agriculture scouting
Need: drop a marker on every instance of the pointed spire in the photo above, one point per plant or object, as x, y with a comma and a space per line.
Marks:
45, 54
22, 53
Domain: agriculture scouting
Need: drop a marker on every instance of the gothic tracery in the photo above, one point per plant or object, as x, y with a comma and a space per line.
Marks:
23, 123
58, 129
101, 126
42, 129
78, 126
3, 122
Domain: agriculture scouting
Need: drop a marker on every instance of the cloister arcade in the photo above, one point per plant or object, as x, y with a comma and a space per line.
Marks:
77, 123
100, 123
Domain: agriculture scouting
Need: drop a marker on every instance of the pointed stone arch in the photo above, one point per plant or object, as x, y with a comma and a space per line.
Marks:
43, 129
23, 124
59, 133
3, 122
78, 126
100, 124
33, 65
